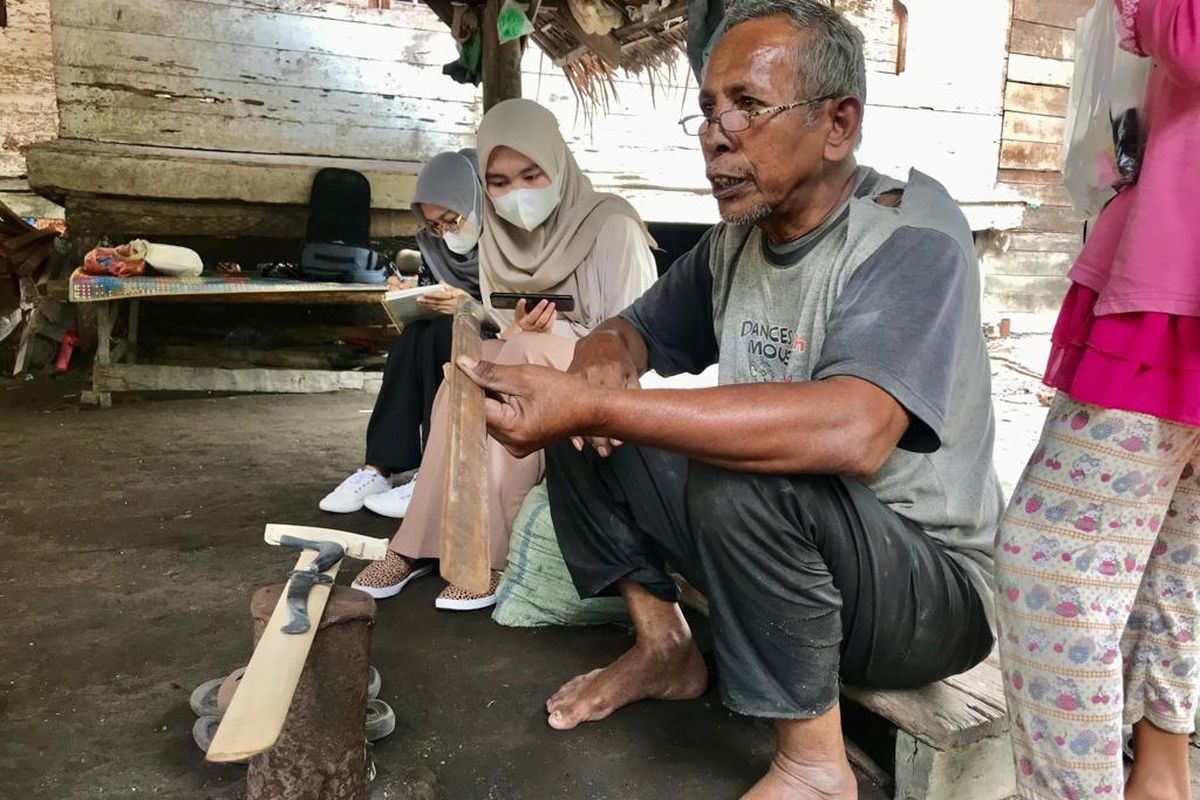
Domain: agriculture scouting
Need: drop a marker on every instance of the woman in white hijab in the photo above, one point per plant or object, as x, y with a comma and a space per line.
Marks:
546, 230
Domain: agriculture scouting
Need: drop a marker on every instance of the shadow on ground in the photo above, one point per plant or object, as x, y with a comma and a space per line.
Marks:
131, 544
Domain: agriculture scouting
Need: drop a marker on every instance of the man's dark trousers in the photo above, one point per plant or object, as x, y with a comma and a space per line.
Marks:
808, 577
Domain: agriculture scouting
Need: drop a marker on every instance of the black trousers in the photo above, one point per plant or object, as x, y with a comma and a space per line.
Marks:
400, 420
808, 577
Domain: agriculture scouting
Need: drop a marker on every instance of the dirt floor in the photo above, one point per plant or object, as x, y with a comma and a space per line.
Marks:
133, 539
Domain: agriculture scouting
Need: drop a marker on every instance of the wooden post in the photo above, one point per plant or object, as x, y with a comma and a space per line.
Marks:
464, 535
501, 64
132, 338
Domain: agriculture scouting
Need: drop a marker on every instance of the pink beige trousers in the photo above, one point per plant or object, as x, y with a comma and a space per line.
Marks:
509, 478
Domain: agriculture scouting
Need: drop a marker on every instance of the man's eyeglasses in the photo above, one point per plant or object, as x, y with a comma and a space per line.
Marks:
736, 120
439, 226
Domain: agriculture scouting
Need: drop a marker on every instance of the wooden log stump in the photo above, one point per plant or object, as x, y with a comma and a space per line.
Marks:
321, 753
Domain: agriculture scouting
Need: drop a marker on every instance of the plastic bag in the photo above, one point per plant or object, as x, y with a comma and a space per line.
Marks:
511, 22
1105, 125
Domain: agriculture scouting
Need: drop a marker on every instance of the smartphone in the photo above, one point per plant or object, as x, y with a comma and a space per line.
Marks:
508, 300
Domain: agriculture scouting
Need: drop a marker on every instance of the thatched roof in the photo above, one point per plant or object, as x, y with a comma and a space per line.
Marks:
651, 34
648, 46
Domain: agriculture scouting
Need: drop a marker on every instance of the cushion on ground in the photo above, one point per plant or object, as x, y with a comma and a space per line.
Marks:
536, 588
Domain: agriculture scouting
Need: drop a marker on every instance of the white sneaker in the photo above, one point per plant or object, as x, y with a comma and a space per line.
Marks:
394, 502
350, 493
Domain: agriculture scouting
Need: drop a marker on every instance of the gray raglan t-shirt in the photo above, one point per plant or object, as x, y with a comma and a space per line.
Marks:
888, 294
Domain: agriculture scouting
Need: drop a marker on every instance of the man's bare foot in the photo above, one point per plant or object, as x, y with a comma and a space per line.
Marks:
672, 671
788, 779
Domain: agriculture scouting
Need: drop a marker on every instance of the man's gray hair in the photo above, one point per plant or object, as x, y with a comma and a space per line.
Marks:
831, 62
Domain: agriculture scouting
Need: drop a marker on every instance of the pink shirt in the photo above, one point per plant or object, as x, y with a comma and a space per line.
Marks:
1144, 252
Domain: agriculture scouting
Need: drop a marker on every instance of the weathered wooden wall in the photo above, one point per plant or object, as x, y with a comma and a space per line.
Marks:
942, 114
27, 107
317, 79
259, 76
1027, 266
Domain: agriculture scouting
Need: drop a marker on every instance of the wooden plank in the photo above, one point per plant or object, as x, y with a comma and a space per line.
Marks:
1019, 127
26, 85
944, 714
1059, 13
1048, 100
105, 319
236, 100
80, 167
1052, 219
18, 129
256, 135
1046, 41
358, 297
1041, 177
1043, 71
1046, 194
1026, 263
154, 377
22, 126
1030, 155
153, 56
464, 533
28, 204
398, 15
1014, 293
12, 164
132, 331
133, 218
25, 343
199, 22
1043, 242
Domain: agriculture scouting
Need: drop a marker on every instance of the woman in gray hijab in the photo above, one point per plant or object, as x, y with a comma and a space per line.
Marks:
448, 202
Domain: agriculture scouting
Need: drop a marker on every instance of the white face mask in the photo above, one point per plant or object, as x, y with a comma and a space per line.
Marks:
463, 240
528, 208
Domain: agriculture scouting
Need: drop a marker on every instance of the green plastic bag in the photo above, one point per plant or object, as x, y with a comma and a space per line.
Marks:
512, 22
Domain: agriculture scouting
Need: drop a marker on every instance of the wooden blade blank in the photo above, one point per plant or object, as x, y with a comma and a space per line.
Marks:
260, 706
464, 535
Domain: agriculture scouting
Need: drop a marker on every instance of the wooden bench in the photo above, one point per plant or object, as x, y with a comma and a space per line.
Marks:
951, 736
117, 368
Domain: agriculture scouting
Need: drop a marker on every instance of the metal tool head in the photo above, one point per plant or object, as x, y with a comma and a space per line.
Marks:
301, 581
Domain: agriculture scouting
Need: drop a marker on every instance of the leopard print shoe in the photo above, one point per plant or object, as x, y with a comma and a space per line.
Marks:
385, 578
456, 598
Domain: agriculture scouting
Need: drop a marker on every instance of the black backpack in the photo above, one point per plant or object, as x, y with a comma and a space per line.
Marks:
337, 240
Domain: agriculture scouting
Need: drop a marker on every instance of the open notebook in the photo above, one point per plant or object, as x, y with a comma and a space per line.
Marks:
401, 304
